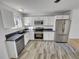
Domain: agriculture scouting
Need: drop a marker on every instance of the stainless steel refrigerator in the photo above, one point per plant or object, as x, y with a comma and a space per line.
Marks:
62, 29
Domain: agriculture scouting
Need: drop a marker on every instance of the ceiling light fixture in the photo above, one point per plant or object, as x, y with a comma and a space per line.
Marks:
21, 10
56, 1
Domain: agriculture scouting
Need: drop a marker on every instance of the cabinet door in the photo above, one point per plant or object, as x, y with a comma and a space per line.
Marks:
49, 21
8, 18
26, 38
62, 16
48, 35
28, 21
46, 22
31, 34
32, 21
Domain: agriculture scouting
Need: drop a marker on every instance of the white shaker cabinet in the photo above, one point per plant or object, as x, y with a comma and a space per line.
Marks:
46, 22
49, 21
28, 21
8, 18
26, 38
48, 36
31, 34
62, 17
12, 50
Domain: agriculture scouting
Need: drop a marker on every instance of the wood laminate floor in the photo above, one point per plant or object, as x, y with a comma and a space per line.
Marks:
74, 43
49, 50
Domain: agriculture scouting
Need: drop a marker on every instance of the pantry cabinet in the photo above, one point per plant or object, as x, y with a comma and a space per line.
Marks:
8, 18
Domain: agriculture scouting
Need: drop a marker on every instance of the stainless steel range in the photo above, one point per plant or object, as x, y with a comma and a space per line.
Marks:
38, 33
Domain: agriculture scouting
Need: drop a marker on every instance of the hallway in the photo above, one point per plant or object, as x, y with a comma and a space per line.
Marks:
37, 49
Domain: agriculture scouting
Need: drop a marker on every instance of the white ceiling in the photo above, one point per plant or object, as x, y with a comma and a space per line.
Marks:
42, 6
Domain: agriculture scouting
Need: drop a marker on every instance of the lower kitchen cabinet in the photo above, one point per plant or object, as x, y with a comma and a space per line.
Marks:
48, 35
31, 35
15, 45
26, 38
12, 50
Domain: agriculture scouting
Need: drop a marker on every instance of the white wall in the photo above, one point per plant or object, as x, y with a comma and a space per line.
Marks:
10, 30
3, 49
74, 31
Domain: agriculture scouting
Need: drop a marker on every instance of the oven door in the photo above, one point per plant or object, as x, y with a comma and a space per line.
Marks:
38, 35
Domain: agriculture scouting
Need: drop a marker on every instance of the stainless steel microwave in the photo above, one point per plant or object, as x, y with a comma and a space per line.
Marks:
38, 22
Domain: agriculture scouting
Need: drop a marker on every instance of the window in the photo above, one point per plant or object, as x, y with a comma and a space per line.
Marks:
17, 21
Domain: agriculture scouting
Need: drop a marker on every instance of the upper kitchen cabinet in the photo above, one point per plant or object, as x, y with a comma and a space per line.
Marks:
8, 18
28, 21
49, 21
62, 16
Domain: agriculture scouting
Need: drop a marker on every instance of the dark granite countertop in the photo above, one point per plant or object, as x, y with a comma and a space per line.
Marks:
14, 37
